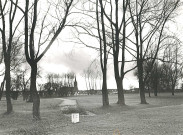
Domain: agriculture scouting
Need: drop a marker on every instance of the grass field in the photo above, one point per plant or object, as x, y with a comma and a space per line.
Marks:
162, 116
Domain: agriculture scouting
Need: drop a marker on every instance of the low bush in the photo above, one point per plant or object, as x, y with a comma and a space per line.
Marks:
70, 110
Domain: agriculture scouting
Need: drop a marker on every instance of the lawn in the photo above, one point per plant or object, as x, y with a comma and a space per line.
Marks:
163, 115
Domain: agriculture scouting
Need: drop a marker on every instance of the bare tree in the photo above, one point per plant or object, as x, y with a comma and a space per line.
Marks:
48, 32
16, 60
149, 18
8, 11
92, 75
172, 67
116, 22
103, 49
117, 33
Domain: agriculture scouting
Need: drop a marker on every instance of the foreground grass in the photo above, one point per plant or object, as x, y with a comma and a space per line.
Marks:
163, 115
20, 122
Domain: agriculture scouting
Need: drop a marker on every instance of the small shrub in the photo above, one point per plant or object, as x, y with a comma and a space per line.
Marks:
70, 110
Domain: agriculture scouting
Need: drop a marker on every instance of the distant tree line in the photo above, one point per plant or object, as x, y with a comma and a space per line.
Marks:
59, 85
56, 86
166, 72
93, 76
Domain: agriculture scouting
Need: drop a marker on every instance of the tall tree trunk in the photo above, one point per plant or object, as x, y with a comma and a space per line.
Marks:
173, 92
119, 81
173, 89
2, 88
156, 81
8, 82
121, 98
1, 93
34, 93
156, 91
105, 98
142, 92
141, 84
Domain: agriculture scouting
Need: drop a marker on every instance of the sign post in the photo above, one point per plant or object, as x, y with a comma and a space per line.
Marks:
75, 117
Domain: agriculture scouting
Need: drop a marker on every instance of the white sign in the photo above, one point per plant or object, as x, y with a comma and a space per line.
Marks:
75, 117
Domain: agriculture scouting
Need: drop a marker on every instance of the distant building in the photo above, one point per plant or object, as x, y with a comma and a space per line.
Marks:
75, 85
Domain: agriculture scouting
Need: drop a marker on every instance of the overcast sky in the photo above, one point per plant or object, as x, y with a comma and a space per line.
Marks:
64, 57
67, 57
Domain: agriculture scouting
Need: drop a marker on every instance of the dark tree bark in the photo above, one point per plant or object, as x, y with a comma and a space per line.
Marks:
34, 93
8, 81
173, 89
103, 51
156, 79
105, 99
141, 83
156, 90
121, 98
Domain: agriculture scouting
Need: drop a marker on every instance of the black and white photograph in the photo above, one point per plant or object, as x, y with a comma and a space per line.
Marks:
91, 67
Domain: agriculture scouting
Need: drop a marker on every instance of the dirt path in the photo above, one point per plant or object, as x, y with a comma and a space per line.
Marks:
68, 102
